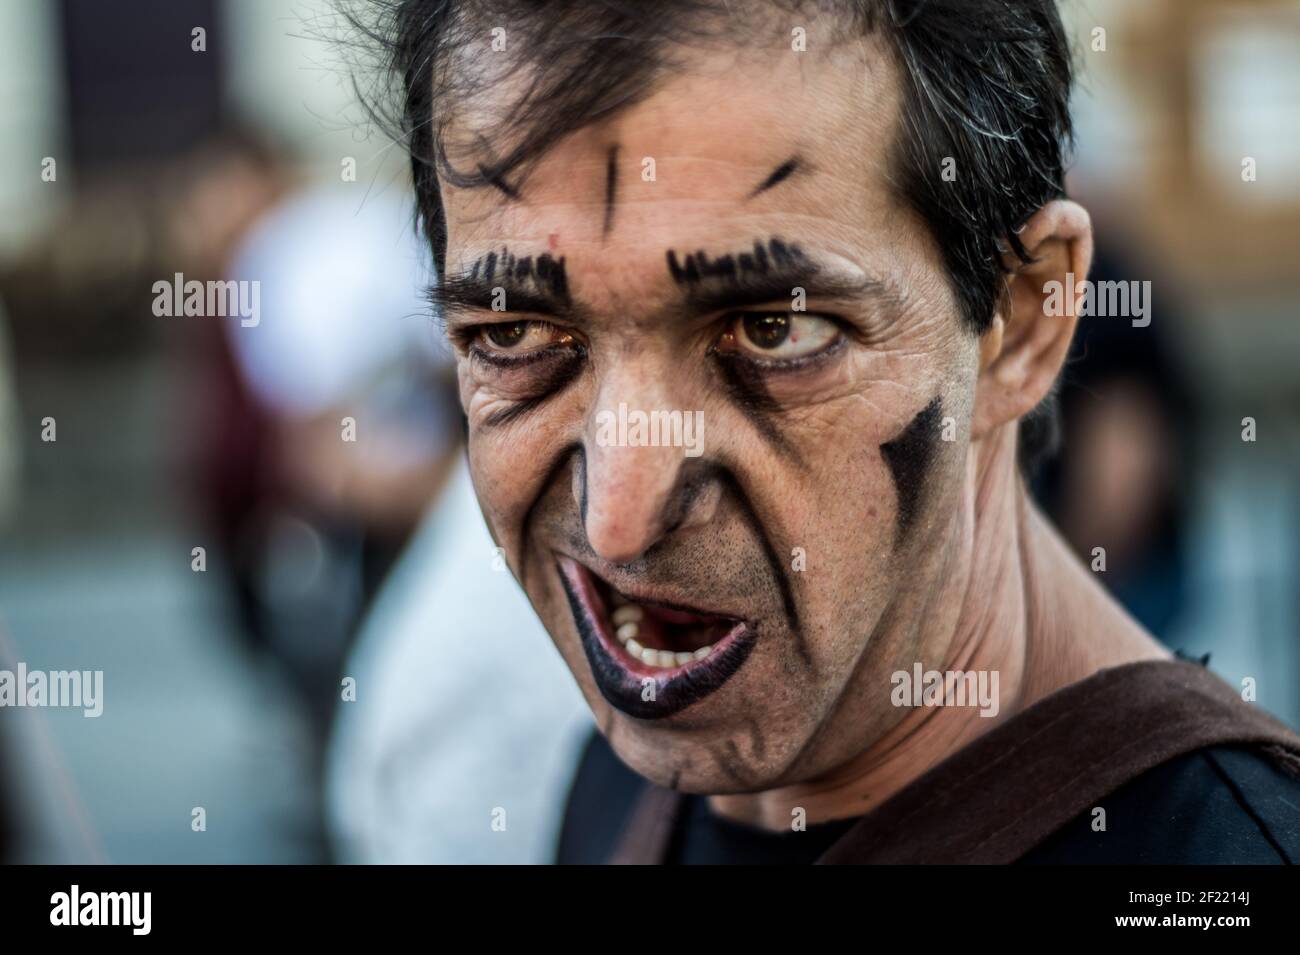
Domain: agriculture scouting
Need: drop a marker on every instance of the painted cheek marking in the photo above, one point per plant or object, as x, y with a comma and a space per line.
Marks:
748, 392
910, 457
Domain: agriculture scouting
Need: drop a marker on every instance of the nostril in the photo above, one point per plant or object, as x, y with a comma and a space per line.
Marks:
693, 505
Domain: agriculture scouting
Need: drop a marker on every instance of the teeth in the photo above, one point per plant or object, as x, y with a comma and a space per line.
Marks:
627, 619
628, 613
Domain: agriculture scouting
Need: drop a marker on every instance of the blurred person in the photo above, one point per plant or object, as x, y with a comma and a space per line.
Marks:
353, 390
1118, 482
465, 728
837, 629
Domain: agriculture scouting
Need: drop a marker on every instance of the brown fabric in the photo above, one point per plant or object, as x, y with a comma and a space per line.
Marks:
1011, 788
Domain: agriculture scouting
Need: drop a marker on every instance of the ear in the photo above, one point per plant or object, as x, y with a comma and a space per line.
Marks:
1023, 350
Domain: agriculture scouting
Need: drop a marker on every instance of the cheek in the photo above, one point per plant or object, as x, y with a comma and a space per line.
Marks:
513, 463
867, 486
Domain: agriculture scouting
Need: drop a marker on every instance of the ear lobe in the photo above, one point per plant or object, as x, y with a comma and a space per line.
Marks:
1024, 349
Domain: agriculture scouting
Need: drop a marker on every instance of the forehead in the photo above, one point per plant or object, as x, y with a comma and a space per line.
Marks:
691, 166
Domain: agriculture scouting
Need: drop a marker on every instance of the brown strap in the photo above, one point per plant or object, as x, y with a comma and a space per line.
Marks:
650, 828
998, 797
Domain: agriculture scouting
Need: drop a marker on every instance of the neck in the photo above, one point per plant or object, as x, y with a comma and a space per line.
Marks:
1007, 597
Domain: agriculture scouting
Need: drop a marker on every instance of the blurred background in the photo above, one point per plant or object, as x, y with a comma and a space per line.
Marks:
182, 508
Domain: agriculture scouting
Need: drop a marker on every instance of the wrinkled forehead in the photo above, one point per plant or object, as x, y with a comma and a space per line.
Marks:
733, 146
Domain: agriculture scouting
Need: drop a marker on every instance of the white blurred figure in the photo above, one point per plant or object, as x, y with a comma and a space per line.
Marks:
466, 727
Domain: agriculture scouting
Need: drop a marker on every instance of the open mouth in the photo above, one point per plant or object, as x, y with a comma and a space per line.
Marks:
650, 657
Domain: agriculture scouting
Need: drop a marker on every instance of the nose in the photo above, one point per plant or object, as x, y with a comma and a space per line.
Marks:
633, 493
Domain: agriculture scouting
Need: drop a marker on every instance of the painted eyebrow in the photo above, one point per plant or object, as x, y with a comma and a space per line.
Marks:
534, 284
701, 293
459, 294
766, 272
746, 291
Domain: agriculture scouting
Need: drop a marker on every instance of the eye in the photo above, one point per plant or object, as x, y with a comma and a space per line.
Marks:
779, 335
518, 338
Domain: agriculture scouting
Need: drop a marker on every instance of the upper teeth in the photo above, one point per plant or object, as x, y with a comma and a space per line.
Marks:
627, 622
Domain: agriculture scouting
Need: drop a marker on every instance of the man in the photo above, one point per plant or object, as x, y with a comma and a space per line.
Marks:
753, 312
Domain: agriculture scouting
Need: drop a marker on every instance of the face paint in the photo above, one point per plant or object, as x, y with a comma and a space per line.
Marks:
582, 483
778, 567
909, 457
621, 687
748, 392
778, 176
611, 188
558, 368
775, 254
545, 272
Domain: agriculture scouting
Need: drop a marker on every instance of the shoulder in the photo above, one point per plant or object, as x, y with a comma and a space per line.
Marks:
1217, 805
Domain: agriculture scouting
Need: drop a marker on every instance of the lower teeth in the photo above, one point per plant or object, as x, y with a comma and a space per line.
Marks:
627, 619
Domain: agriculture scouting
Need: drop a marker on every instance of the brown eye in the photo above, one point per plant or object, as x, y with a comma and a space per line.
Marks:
766, 331
507, 336
519, 338
781, 335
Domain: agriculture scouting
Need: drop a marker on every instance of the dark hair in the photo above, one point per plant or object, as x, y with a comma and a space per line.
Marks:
986, 84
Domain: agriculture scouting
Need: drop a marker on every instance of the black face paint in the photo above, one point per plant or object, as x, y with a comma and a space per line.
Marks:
748, 392
910, 456
558, 369
698, 266
562, 460
778, 176
776, 564
730, 761
611, 188
544, 272
757, 742
623, 690
582, 483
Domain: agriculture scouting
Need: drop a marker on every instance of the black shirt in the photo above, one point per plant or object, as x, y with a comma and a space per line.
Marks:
1214, 805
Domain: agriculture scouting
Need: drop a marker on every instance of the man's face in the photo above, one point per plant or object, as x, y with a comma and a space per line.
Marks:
654, 262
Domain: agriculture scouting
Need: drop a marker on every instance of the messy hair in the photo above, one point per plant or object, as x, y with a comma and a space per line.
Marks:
986, 89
